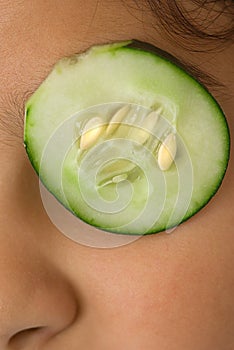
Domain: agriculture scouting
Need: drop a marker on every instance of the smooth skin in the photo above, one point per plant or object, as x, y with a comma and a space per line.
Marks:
161, 292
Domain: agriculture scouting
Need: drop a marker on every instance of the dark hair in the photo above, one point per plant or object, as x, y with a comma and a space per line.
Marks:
196, 26
210, 22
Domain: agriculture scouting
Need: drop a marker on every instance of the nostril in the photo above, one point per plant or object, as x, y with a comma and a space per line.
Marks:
25, 332
28, 338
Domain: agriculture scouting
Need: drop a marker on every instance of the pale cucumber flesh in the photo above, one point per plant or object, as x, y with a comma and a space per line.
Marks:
115, 182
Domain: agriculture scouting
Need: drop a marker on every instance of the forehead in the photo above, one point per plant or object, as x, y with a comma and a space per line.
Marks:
34, 36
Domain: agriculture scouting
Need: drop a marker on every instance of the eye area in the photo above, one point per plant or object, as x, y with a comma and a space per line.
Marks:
97, 106
12, 114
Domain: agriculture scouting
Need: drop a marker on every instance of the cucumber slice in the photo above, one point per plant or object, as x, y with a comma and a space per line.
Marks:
126, 140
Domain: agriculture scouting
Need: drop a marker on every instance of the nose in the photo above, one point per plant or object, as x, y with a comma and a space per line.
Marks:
36, 304
36, 301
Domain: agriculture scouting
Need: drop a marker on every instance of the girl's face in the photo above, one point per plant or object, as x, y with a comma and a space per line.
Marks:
165, 292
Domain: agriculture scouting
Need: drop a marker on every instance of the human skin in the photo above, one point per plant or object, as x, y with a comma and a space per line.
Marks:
166, 291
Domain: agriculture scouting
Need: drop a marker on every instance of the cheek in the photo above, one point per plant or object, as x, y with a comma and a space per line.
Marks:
170, 293
171, 290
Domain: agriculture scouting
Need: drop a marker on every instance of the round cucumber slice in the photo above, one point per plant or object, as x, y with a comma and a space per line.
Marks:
126, 140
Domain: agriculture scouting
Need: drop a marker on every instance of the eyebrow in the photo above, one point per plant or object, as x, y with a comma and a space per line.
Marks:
11, 118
